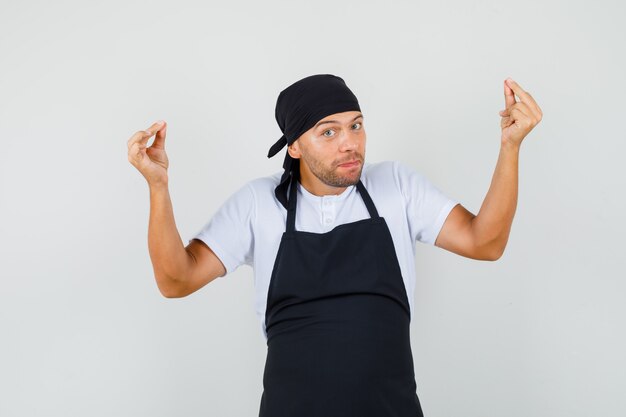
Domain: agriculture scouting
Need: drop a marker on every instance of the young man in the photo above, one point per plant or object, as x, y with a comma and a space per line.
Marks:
332, 243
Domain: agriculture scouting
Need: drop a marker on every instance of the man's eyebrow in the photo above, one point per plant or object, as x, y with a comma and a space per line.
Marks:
334, 121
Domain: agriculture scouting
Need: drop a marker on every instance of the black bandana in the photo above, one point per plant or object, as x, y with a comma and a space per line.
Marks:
299, 107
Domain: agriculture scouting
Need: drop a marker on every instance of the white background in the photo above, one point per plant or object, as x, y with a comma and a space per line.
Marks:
84, 330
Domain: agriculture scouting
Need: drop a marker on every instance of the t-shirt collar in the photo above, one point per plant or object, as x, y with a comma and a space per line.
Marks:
330, 197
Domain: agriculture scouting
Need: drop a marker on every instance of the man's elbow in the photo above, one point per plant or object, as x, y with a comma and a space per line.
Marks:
169, 288
493, 253
171, 294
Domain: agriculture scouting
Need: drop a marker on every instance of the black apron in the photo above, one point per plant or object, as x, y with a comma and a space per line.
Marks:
337, 324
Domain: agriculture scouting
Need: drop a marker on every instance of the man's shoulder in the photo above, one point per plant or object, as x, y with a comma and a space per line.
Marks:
261, 190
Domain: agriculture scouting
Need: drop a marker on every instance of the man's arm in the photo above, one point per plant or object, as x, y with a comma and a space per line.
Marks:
484, 236
179, 270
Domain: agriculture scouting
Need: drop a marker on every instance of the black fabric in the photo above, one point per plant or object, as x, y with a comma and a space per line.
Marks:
299, 107
337, 320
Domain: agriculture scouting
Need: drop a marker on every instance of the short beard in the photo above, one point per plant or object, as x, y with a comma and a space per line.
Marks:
330, 177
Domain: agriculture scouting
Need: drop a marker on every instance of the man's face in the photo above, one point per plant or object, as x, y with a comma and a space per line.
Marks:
325, 149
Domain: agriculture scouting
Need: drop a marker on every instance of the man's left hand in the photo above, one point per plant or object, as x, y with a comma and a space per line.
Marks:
519, 117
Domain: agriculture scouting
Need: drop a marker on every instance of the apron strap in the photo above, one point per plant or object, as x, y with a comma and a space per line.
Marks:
291, 206
367, 200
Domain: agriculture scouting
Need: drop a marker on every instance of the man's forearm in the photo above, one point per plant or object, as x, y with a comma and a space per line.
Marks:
492, 224
167, 252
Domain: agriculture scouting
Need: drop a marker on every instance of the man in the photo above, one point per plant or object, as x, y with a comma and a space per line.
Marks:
332, 243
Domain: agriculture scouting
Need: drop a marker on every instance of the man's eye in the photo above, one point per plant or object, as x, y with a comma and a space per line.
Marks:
357, 124
329, 130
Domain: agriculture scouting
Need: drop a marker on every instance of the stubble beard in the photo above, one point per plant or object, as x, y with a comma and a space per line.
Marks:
330, 176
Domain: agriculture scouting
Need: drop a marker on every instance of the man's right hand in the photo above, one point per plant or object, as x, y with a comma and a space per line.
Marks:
151, 161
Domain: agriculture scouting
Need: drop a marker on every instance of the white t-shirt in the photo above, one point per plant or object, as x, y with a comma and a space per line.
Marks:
248, 227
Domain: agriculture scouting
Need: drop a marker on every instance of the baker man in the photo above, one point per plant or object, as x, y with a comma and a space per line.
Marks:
331, 240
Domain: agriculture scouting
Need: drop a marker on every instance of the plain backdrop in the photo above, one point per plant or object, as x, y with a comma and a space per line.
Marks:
84, 330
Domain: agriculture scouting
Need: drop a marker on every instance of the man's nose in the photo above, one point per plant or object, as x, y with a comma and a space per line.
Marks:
349, 142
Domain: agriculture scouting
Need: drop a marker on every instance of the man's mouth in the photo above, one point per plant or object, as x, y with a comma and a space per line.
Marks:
350, 164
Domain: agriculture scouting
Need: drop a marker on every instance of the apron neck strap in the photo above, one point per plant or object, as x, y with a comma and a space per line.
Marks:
291, 207
367, 200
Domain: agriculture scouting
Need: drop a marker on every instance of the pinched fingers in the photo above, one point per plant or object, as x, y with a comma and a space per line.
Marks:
509, 96
142, 136
520, 114
139, 139
136, 152
511, 116
519, 106
537, 110
159, 139
138, 142
525, 98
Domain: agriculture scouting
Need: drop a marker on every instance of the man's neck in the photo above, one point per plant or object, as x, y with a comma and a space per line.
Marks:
318, 188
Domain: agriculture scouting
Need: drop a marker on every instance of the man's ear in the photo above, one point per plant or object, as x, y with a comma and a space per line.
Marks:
294, 150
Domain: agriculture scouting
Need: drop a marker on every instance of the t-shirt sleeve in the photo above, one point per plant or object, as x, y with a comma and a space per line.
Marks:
427, 207
229, 233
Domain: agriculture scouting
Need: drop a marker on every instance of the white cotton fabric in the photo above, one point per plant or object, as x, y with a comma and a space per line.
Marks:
248, 226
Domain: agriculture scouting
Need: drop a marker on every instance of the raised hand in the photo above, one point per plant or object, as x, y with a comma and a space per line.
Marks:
519, 117
151, 161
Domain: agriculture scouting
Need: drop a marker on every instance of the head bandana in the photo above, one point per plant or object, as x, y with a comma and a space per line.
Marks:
299, 107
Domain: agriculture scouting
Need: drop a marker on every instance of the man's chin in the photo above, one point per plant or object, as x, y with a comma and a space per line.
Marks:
348, 180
